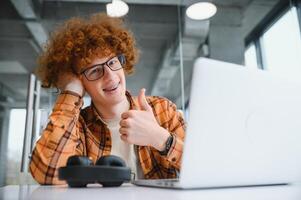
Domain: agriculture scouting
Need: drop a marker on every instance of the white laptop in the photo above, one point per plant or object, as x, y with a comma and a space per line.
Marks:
244, 129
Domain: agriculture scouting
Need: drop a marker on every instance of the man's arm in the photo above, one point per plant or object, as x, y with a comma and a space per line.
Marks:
176, 127
59, 140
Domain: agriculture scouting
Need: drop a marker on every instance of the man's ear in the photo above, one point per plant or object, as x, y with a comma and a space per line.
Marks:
82, 79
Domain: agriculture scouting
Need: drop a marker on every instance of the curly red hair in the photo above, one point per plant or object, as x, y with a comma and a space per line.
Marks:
72, 46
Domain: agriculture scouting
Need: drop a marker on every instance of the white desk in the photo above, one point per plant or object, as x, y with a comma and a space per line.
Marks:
128, 191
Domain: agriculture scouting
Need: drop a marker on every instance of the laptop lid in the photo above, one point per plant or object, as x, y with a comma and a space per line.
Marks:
244, 128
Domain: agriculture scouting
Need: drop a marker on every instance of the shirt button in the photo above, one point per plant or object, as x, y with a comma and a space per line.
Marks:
76, 103
107, 138
173, 159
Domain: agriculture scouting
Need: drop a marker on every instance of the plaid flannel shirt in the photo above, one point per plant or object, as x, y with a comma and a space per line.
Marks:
72, 131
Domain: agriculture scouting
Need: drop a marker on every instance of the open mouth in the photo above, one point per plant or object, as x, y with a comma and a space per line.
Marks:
112, 88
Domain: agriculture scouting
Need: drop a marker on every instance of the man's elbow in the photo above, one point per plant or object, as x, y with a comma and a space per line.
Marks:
42, 178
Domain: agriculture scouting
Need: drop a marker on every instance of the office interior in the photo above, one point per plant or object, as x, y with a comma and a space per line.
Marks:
259, 34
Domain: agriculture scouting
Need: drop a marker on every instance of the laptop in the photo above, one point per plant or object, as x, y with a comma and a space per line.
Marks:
243, 129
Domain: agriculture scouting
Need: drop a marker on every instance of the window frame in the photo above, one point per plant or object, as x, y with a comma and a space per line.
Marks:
255, 36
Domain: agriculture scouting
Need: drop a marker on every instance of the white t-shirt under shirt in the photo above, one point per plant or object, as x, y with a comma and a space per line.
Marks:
121, 148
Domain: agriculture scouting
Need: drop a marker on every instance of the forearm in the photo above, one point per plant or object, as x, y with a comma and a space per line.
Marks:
174, 155
59, 140
176, 127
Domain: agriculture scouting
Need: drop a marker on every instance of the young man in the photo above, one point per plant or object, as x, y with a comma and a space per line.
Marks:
93, 55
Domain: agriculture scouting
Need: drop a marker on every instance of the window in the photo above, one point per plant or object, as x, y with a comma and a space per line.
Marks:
281, 46
250, 56
15, 146
16, 133
275, 44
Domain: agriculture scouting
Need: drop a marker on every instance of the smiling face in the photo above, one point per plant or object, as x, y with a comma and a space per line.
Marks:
108, 90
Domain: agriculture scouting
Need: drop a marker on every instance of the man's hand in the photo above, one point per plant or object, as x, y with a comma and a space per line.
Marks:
140, 127
71, 82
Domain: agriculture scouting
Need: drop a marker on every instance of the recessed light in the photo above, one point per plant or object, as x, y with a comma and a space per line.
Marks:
117, 8
201, 10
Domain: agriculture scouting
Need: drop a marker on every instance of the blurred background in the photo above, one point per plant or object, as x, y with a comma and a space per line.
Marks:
262, 34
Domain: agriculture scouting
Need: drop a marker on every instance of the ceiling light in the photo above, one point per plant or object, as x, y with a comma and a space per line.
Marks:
117, 8
201, 11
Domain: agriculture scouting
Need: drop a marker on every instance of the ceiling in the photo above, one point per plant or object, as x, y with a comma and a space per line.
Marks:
155, 23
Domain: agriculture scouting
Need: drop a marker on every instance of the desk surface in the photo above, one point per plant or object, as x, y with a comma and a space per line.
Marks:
128, 191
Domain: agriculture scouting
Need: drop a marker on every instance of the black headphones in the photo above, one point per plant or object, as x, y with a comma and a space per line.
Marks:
110, 171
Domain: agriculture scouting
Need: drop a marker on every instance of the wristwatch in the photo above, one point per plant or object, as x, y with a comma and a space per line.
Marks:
168, 144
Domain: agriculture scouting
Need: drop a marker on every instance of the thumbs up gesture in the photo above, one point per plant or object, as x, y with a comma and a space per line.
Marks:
140, 127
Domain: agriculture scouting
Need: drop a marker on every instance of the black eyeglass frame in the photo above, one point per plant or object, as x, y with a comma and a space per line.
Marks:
121, 59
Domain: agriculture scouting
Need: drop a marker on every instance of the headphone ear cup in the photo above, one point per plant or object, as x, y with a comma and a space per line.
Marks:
111, 161
78, 161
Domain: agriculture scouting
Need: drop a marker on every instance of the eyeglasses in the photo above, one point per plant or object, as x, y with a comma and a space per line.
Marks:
95, 72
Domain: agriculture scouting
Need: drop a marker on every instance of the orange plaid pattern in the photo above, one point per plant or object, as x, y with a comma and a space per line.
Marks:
72, 131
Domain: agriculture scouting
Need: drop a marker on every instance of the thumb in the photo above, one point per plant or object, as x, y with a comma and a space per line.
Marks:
143, 102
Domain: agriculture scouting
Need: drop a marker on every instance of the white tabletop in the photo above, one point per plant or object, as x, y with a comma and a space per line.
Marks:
128, 191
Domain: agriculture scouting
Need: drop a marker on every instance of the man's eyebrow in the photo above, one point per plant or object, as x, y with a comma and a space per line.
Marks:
109, 58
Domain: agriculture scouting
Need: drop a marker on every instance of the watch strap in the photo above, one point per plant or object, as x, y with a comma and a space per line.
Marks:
168, 144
